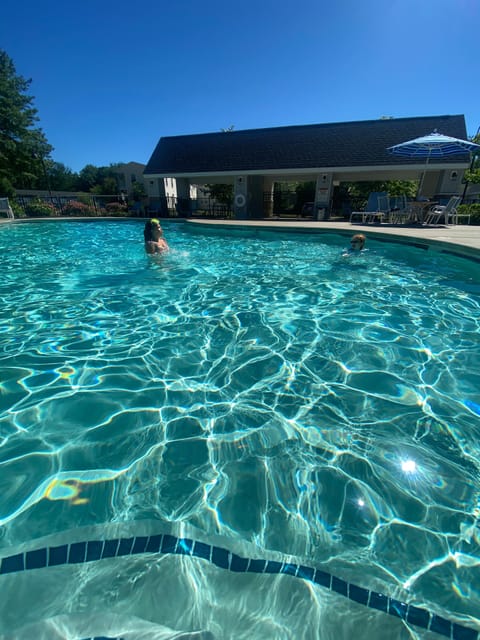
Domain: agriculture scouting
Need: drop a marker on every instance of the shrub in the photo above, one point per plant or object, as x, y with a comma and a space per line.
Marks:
40, 209
116, 207
76, 208
17, 208
473, 210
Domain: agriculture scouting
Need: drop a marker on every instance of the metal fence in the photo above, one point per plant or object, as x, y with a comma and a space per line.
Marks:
174, 207
33, 205
280, 204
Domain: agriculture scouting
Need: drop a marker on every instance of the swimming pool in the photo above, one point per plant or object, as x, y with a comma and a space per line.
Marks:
253, 392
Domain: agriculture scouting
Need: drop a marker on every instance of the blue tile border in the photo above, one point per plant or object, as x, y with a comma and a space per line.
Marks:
102, 638
82, 552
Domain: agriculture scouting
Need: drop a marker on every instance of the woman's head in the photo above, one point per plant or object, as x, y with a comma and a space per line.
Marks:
357, 242
152, 230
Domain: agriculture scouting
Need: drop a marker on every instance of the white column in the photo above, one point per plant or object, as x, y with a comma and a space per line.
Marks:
240, 195
323, 194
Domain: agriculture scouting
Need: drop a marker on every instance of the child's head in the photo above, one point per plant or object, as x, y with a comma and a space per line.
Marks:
357, 242
152, 230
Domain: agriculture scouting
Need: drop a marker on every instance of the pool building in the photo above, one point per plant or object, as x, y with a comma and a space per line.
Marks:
254, 160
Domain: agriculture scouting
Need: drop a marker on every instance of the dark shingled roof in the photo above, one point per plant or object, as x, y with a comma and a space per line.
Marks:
338, 144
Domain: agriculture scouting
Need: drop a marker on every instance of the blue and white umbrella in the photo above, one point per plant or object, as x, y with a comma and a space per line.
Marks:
435, 145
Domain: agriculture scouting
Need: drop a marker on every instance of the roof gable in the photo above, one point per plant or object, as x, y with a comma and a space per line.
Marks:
129, 166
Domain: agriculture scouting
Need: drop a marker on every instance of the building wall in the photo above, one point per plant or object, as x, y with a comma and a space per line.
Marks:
129, 173
167, 187
451, 182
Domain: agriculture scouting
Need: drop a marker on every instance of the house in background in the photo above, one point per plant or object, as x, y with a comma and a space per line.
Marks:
164, 190
163, 194
127, 174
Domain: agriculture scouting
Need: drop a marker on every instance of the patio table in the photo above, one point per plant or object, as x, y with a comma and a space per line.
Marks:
418, 208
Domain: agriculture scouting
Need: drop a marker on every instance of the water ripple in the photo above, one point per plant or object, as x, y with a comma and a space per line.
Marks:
262, 388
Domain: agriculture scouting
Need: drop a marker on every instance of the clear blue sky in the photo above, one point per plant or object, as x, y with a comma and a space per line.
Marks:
110, 78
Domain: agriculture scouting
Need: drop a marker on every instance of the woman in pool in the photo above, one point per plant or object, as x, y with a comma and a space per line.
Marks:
154, 240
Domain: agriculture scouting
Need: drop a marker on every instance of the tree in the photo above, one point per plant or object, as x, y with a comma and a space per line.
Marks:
138, 191
57, 177
23, 146
99, 180
472, 176
305, 193
88, 177
393, 187
107, 186
222, 193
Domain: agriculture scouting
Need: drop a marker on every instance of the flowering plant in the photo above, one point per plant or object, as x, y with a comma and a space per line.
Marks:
40, 209
76, 208
116, 207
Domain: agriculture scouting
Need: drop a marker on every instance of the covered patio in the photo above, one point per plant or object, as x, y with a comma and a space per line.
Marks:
257, 162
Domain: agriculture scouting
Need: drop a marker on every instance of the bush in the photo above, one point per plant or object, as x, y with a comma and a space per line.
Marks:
473, 210
116, 207
40, 209
76, 208
17, 208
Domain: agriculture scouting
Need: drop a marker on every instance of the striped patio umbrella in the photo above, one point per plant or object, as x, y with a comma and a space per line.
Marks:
435, 145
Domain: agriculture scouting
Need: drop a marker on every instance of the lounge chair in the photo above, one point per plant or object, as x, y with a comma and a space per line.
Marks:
377, 209
448, 212
6, 208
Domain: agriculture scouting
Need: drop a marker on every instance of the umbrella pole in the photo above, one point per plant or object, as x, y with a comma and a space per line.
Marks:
422, 179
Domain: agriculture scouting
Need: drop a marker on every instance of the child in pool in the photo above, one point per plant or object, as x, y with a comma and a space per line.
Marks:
357, 243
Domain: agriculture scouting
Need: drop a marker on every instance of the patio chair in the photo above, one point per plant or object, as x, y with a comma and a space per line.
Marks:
377, 209
448, 212
383, 211
6, 208
399, 210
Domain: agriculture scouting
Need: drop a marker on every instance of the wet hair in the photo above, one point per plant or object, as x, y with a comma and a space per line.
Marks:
147, 231
359, 237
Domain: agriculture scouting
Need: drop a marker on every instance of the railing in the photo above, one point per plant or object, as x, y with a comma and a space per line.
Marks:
282, 204
292, 204
174, 207
80, 204
6, 209
90, 205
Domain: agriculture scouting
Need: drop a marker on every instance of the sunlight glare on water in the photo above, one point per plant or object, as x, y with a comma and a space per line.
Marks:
258, 386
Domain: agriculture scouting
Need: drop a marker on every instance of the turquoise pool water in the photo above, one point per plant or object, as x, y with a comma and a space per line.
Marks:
254, 386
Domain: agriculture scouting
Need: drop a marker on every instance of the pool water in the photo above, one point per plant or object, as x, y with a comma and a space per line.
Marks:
257, 386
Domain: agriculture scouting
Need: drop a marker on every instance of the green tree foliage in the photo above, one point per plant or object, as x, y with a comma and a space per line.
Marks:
57, 177
392, 187
473, 174
106, 186
305, 193
222, 193
138, 191
88, 177
23, 145
99, 180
